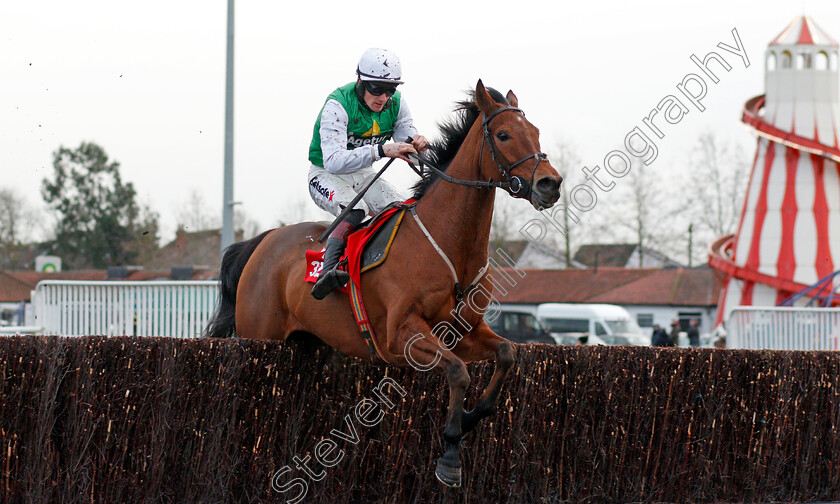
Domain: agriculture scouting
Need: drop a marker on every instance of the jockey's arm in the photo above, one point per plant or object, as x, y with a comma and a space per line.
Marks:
337, 158
404, 128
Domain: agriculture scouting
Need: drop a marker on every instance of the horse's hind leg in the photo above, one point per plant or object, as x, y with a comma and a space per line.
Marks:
486, 342
424, 353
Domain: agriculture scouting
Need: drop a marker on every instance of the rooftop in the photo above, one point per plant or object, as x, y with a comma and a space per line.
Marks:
636, 286
16, 286
803, 30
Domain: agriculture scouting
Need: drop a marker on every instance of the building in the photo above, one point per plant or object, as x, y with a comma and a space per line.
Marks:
199, 249
652, 295
622, 255
787, 237
536, 255
529, 254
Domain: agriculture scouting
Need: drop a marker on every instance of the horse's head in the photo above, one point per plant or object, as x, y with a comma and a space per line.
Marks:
513, 145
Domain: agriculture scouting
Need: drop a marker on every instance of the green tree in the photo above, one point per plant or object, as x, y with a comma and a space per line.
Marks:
97, 225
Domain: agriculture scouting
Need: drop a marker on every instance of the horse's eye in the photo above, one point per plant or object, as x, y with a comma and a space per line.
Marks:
503, 136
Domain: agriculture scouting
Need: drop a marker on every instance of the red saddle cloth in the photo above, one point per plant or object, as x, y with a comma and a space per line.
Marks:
351, 260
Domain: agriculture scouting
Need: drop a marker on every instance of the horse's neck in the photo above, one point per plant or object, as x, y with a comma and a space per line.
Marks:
458, 217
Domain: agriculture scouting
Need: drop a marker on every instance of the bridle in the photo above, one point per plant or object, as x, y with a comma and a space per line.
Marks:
515, 185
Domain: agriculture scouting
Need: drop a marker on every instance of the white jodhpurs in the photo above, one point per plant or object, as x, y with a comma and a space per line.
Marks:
333, 192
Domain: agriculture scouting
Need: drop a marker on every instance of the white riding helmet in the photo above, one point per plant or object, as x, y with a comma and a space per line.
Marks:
379, 65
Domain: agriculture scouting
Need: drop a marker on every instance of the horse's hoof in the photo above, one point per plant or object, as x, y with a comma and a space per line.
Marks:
448, 475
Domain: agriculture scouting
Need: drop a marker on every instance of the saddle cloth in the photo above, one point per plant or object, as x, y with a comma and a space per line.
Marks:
367, 247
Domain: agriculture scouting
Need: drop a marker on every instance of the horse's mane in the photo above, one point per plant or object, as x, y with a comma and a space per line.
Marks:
453, 132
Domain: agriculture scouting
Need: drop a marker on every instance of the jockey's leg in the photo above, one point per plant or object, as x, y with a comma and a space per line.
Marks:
331, 277
332, 193
381, 194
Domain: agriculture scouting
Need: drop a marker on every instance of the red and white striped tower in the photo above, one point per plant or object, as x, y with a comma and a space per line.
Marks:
789, 232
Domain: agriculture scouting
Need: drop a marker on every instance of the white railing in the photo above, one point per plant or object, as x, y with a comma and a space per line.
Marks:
20, 330
168, 308
784, 328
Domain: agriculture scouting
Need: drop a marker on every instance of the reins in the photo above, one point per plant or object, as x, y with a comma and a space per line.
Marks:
504, 167
513, 184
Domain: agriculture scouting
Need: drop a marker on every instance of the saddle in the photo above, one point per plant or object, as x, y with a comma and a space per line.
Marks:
367, 247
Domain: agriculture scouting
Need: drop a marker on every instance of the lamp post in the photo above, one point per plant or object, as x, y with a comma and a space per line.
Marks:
227, 193
690, 240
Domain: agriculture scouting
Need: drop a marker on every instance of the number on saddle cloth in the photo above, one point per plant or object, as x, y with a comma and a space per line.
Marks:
367, 247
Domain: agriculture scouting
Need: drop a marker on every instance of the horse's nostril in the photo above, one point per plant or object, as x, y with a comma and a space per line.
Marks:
548, 185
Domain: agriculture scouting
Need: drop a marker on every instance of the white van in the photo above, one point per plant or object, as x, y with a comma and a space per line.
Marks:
611, 323
519, 323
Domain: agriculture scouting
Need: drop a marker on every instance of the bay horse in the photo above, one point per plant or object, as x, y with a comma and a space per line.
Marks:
263, 295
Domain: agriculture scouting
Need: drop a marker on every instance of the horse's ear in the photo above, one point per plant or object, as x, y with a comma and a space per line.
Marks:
512, 99
483, 99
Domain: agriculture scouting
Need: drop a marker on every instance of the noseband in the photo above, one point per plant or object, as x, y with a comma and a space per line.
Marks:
516, 185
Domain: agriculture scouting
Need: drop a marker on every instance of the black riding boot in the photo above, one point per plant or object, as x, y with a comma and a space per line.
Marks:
331, 277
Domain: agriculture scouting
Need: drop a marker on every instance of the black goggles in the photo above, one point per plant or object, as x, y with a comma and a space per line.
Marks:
377, 88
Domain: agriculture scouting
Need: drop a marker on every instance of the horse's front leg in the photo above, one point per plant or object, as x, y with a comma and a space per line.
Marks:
485, 344
415, 343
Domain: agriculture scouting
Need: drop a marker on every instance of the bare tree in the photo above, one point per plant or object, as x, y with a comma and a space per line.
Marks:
12, 214
146, 233
642, 190
717, 181
300, 209
565, 159
196, 215
652, 206
504, 224
648, 211
563, 227
249, 226
17, 220
566, 226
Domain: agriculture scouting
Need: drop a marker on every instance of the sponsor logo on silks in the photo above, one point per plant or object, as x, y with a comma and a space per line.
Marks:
354, 141
323, 191
373, 131
372, 136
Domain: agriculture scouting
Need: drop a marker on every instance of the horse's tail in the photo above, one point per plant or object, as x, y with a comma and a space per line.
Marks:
223, 322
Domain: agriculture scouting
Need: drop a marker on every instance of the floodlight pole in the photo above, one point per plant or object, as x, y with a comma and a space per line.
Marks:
227, 196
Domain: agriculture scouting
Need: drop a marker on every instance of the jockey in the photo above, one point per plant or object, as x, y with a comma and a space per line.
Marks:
349, 136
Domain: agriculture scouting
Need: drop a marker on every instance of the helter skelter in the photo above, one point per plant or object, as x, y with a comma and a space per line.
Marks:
788, 237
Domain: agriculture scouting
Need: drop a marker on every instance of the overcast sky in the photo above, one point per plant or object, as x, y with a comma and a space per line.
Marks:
146, 81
